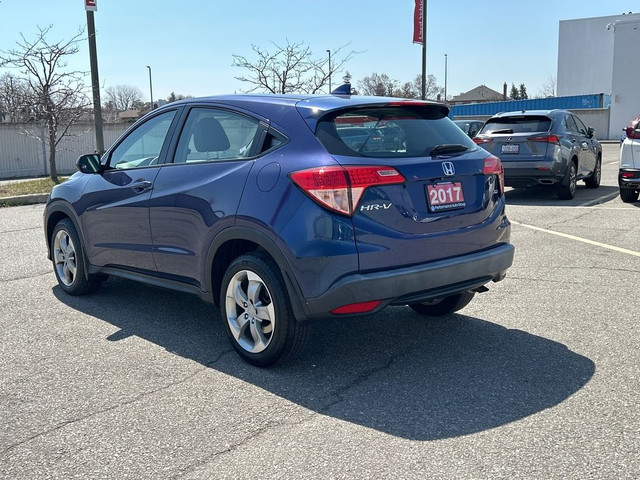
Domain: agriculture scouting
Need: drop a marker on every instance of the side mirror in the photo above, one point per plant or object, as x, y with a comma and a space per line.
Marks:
89, 163
590, 132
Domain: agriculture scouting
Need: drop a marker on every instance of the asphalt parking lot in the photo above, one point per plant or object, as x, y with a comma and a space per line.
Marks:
538, 378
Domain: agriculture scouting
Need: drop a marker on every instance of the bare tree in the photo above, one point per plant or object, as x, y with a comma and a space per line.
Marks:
15, 99
289, 68
548, 88
381, 85
124, 97
59, 95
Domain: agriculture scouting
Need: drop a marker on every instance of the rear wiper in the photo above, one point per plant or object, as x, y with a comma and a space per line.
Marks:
505, 130
445, 149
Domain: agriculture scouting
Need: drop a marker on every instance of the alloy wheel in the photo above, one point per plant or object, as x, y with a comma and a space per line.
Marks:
64, 255
250, 311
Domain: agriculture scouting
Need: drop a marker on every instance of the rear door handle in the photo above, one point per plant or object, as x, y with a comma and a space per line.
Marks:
141, 185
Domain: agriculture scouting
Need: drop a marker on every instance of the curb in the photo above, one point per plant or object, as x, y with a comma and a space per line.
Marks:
24, 200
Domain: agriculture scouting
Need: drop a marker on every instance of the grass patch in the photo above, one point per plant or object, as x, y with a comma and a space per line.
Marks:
40, 185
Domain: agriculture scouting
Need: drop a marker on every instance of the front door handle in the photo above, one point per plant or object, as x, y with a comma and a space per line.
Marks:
141, 185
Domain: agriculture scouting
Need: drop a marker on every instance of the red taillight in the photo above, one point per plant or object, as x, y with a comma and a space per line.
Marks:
633, 133
352, 308
546, 138
627, 175
493, 166
480, 140
340, 188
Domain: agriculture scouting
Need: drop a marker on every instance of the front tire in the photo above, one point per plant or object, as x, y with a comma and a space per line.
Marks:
443, 306
257, 314
594, 180
69, 265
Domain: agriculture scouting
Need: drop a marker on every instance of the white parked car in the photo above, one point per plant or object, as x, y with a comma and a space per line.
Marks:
629, 174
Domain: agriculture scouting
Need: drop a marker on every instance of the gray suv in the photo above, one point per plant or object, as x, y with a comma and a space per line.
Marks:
550, 147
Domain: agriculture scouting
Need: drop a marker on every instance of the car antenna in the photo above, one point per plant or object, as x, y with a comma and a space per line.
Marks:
344, 89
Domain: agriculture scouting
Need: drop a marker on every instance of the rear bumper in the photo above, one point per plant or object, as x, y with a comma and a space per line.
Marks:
416, 283
532, 175
629, 178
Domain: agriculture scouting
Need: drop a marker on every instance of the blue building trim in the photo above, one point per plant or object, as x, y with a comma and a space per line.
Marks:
576, 102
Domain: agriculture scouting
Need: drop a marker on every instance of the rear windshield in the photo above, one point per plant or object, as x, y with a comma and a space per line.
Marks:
524, 124
389, 131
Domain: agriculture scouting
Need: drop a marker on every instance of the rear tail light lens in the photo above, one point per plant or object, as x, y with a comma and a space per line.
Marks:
546, 138
633, 132
340, 188
493, 166
480, 140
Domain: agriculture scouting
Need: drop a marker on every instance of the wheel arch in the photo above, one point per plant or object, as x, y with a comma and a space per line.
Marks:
235, 241
53, 214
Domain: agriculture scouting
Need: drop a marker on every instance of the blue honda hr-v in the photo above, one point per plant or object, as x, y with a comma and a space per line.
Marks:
282, 209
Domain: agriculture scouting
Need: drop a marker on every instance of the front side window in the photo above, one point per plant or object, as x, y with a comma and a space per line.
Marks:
211, 134
142, 147
390, 131
581, 128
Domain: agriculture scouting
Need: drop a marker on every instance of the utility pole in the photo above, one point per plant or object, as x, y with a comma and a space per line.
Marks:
90, 6
329, 52
150, 86
424, 49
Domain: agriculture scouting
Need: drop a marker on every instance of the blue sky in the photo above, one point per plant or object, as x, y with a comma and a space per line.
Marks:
189, 44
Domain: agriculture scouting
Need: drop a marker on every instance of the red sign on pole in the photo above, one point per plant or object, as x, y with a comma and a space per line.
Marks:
418, 18
91, 5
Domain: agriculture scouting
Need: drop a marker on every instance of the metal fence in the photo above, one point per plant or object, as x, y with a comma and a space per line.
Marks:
24, 151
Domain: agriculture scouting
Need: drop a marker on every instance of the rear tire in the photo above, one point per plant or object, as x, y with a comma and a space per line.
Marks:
67, 255
257, 314
567, 189
628, 195
594, 180
443, 306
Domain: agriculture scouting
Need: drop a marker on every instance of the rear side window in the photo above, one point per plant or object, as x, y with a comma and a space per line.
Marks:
524, 124
389, 131
211, 134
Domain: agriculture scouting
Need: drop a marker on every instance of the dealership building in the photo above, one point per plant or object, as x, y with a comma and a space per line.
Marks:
600, 55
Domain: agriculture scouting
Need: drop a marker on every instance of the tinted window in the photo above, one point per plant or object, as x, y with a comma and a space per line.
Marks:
389, 131
571, 124
210, 134
142, 147
581, 128
524, 124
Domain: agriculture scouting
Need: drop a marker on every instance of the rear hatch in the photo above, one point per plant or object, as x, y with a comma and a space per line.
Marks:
516, 138
421, 189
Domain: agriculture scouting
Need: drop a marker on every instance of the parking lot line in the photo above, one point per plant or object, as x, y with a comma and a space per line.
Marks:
579, 239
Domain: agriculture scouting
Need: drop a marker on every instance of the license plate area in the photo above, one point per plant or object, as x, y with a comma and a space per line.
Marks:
445, 196
510, 148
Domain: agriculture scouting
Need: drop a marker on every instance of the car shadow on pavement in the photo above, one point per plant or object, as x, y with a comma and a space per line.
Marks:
547, 197
395, 372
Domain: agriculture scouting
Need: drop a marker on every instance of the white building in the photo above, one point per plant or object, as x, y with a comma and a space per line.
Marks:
600, 55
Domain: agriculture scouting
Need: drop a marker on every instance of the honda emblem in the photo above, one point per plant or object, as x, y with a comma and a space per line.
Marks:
448, 169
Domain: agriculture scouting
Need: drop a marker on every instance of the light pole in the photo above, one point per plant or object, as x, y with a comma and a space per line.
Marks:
329, 52
150, 86
445, 77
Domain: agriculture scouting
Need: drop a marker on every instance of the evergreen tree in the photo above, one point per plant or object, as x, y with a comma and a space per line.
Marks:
515, 93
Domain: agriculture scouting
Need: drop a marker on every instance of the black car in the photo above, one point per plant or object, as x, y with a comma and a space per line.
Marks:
550, 147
